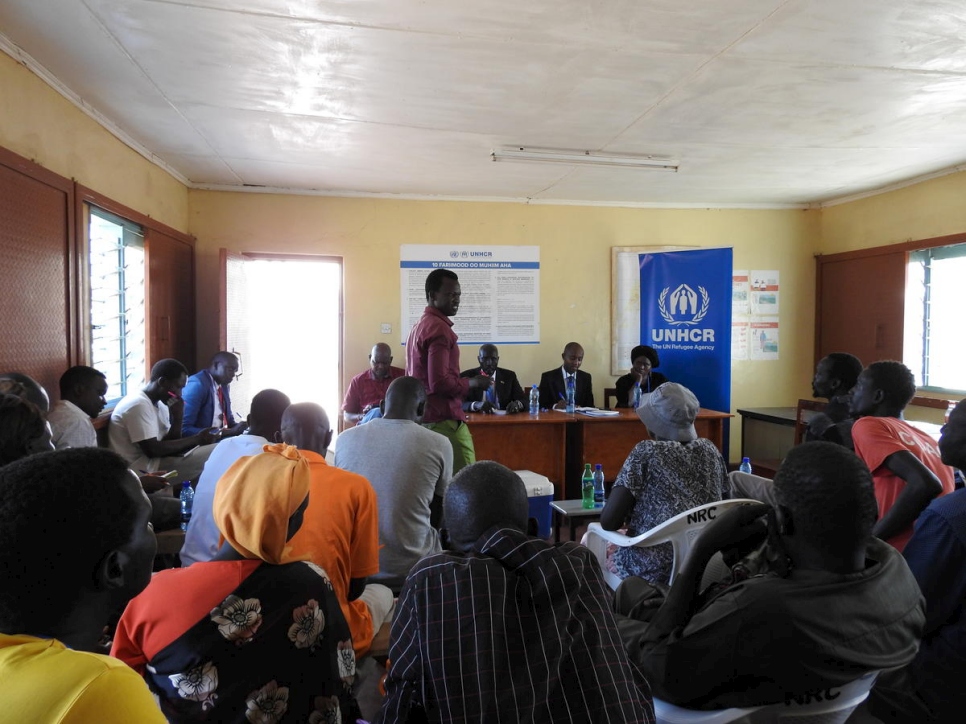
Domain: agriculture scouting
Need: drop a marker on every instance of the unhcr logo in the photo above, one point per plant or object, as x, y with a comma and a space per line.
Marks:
684, 305
681, 308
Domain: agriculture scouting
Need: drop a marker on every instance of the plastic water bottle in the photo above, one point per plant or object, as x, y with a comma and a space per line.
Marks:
187, 503
571, 394
637, 395
534, 400
598, 486
745, 466
587, 487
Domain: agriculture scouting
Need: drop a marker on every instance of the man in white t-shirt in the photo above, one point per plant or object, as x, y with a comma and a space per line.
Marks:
264, 428
409, 467
82, 397
145, 426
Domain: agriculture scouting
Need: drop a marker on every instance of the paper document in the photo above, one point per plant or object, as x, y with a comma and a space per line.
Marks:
596, 412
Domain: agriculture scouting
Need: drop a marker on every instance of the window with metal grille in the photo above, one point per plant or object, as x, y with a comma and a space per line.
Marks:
934, 346
118, 330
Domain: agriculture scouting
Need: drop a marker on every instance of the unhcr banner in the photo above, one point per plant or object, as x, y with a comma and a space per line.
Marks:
686, 317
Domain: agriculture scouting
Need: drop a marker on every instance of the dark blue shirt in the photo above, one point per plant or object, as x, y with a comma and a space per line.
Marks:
936, 554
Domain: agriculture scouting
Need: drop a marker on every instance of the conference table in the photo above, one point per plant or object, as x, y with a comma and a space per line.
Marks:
557, 444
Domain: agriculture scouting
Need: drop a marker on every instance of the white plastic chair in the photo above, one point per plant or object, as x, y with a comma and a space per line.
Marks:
680, 531
829, 706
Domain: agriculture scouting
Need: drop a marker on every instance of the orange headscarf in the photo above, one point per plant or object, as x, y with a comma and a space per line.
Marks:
256, 497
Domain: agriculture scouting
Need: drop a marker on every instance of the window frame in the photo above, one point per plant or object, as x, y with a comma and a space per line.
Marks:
931, 254
137, 230
154, 232
906, 247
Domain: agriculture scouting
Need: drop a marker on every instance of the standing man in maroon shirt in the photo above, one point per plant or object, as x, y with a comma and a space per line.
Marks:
433, 357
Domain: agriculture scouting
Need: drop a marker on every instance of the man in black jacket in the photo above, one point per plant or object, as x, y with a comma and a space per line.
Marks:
504, 394
553, 383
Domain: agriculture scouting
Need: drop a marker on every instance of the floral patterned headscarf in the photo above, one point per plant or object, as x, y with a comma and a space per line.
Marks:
256, 497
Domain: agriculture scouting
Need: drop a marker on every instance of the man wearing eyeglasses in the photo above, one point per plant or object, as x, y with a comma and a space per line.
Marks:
207, 403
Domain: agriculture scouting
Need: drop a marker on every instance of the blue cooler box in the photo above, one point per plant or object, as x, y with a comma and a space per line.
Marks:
539, 493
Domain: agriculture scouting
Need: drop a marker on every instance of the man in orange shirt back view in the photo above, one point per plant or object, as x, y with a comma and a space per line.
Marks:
340, 530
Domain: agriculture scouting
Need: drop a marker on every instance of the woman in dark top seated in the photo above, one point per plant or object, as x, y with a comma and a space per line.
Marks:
643, 361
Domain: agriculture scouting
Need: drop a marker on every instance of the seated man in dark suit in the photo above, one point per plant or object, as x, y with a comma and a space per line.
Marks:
206, 400
817, 603
553, 383
504, 394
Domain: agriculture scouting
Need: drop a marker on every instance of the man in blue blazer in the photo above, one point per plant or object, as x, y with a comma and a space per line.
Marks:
504, 394
206, 400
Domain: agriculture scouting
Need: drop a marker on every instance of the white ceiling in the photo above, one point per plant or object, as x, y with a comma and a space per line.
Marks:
763, 102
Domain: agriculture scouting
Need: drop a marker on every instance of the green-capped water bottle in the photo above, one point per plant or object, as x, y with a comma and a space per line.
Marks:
587, 487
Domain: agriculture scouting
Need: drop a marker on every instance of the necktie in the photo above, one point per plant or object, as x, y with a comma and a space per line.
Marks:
221, 403
491, 395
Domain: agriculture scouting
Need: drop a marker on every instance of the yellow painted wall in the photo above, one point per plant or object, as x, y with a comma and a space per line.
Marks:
921, 211
40, 124
575, 244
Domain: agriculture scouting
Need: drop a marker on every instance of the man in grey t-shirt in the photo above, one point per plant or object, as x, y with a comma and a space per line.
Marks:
409, 467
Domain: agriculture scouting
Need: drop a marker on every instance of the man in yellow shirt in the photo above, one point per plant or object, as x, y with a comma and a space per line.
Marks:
76, 543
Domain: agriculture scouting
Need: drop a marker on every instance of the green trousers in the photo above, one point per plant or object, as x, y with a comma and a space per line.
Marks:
458, 434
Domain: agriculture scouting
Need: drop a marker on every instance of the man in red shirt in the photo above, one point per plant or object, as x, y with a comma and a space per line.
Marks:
906, 466
433, 357
367, 389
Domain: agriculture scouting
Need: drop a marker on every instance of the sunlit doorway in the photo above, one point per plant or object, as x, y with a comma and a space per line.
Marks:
283, 317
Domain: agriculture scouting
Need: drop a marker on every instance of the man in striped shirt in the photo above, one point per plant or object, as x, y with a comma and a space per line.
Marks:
505, 627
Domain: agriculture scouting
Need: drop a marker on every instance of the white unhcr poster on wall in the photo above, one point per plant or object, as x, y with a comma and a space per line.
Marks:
500, 290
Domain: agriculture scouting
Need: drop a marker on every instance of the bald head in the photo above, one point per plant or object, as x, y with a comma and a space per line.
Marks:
405, 399
380, 360
481, 496
265, 418
306, 426
28, 388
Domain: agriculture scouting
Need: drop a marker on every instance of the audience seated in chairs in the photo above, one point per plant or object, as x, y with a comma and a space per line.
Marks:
815, 603
662, 477
75, 544
253, 634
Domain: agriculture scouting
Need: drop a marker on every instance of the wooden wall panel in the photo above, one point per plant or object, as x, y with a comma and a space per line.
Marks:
37, 253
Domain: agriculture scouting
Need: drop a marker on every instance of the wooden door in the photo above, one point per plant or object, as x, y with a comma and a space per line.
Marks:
170, 294
860, 304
